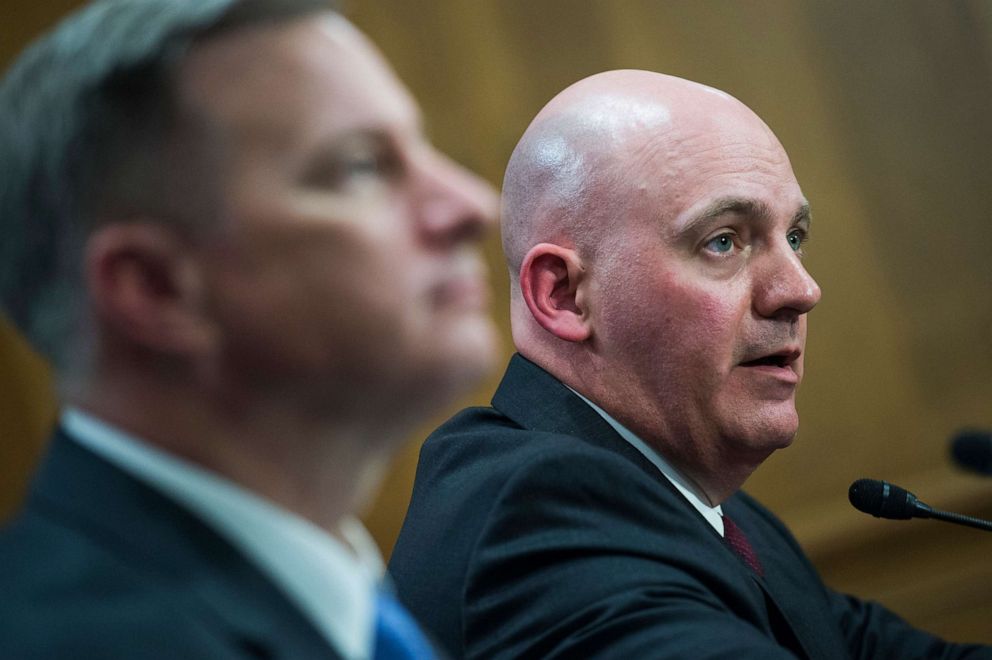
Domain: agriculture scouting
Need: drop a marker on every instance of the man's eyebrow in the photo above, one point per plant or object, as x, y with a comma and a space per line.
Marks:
803, 216
745, 207
722, 206
324, 155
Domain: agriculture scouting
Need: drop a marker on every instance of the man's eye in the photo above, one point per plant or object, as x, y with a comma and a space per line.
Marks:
796, 238
720, 244
371, 164
353, 166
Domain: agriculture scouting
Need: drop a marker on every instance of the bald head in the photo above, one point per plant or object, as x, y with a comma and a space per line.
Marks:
654, 232
600, 141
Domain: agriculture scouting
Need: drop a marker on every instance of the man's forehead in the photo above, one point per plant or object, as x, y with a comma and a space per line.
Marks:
317, 68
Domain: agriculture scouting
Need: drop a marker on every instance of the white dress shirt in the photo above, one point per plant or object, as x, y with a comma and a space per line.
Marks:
333, 585
712, 514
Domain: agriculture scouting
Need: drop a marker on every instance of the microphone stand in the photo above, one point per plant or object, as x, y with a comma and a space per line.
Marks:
957, 518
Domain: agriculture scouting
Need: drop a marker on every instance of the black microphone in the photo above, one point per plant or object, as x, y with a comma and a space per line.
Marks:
972, 450
884, 500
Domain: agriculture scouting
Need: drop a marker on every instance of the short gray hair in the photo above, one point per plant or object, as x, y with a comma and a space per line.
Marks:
87, 113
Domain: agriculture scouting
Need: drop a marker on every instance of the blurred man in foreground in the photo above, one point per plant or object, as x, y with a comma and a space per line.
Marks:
224, 225
654, 232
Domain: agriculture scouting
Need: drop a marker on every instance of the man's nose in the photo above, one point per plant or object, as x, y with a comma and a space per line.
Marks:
455, 205
784, 286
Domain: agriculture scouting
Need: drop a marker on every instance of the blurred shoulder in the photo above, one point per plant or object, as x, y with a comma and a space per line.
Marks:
66, 596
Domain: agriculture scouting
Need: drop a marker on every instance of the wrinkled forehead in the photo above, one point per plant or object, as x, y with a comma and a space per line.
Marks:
309, 78
721, 154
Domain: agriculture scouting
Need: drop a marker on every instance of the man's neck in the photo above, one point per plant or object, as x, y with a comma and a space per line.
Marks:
713, 475
321, 470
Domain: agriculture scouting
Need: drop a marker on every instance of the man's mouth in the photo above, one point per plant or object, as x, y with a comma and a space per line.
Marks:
461, 283
462, 292
768, 360
782, 359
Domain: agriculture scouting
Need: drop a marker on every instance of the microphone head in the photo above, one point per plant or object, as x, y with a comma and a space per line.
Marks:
882, 500
972, 450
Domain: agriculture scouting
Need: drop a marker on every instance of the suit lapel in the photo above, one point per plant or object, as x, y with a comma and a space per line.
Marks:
173, 549
536, 400
799, 616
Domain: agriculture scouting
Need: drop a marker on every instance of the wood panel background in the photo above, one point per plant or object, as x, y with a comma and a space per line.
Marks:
886, 109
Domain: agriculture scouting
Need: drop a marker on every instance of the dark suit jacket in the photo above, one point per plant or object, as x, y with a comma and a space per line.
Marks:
535, 531
98, 565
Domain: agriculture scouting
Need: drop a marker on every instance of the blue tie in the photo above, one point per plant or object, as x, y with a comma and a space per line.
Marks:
397, 635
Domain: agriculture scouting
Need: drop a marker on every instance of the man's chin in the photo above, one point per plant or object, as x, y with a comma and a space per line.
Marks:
779, 434
460, 358
474, 338
770, 429
474, 360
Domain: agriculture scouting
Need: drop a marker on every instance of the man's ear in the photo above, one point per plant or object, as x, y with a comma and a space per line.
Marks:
552, 284
147, 287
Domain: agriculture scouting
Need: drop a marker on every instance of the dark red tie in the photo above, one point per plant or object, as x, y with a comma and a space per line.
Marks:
735, 538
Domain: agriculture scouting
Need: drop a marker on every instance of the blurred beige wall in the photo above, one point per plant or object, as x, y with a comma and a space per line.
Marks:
886, 109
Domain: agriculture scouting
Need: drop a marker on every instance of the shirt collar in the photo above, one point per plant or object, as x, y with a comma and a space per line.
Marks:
712, 514
332, 582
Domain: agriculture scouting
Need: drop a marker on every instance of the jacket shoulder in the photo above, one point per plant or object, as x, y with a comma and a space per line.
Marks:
66, 596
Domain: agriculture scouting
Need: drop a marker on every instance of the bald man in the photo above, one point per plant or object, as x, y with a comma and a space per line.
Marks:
654, 232
254, 275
